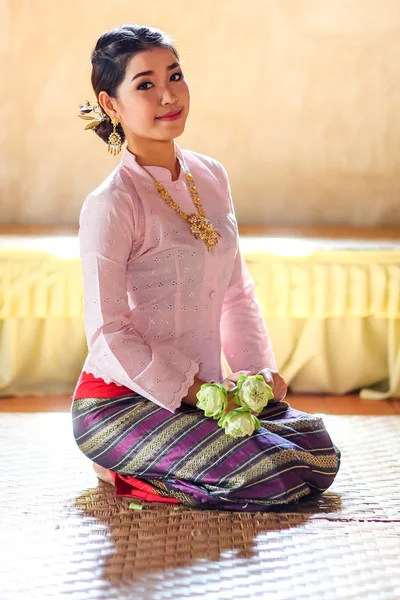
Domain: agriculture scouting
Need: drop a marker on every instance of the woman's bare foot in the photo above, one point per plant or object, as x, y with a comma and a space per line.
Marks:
103, 474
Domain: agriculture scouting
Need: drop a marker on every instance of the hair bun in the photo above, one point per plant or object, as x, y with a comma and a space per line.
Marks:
105, 128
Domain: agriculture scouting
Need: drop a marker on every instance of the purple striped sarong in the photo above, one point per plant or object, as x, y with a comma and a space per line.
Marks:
185, 455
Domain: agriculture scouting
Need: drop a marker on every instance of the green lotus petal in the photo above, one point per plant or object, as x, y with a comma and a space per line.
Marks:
261, 378
221, 387
217, 385
241, 380
202, 387
208, 414
199, 394
226, 418
236, 436
237, 411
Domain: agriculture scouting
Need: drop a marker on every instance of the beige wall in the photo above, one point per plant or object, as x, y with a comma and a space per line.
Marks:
300, 100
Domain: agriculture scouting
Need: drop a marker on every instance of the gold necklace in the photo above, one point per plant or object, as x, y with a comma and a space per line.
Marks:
200, 226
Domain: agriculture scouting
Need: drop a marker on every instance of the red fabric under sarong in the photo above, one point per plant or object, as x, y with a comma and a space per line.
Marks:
136, 488
89, 386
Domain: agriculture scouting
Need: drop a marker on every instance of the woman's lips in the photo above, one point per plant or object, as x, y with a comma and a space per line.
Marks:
171, 116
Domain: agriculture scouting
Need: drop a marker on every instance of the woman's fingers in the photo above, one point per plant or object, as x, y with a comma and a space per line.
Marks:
276, 381
280, 387
272, 378
229, 385
268, 376
230, 382
235, 376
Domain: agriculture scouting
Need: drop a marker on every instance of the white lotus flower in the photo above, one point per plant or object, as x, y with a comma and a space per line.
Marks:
212, 398
253, 393
239, 423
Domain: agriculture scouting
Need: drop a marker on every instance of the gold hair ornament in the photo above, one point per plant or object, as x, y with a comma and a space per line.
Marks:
93, 113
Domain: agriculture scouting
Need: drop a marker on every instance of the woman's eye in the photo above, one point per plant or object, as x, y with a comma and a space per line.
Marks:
176, 76
145, 85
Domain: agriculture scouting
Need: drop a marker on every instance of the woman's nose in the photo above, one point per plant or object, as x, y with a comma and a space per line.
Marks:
168, 96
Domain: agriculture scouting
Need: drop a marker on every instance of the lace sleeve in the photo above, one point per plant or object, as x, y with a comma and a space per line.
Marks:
117, 351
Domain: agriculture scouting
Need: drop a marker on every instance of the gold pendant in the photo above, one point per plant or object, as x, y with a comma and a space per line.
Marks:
204, 230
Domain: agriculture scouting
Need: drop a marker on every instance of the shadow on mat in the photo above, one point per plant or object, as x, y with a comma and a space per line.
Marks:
327, 503
159, 537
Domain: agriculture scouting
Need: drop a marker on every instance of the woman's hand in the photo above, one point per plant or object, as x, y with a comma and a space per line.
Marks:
230, 382
276, 381
230, 385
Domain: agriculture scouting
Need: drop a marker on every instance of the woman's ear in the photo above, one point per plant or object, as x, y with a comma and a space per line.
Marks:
108, 104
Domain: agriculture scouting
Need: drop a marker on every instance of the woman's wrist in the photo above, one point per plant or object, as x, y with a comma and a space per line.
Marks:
191, 397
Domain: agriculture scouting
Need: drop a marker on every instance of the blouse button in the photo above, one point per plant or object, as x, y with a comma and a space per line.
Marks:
212, 294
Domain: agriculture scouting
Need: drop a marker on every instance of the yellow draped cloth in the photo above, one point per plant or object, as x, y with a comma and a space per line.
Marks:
333, 316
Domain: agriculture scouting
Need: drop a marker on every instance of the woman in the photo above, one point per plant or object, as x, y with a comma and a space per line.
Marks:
166, 292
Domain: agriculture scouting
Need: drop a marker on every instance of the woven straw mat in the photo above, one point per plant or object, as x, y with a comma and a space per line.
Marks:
64, 534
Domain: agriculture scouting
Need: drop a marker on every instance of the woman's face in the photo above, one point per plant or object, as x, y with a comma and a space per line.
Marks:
153, 100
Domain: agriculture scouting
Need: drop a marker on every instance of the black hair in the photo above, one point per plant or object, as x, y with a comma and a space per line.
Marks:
111, 56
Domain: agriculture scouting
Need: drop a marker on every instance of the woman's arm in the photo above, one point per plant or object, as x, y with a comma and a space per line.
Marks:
118, 352
244, 335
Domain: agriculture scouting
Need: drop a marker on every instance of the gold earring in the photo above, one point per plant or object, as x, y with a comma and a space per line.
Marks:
114, 140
